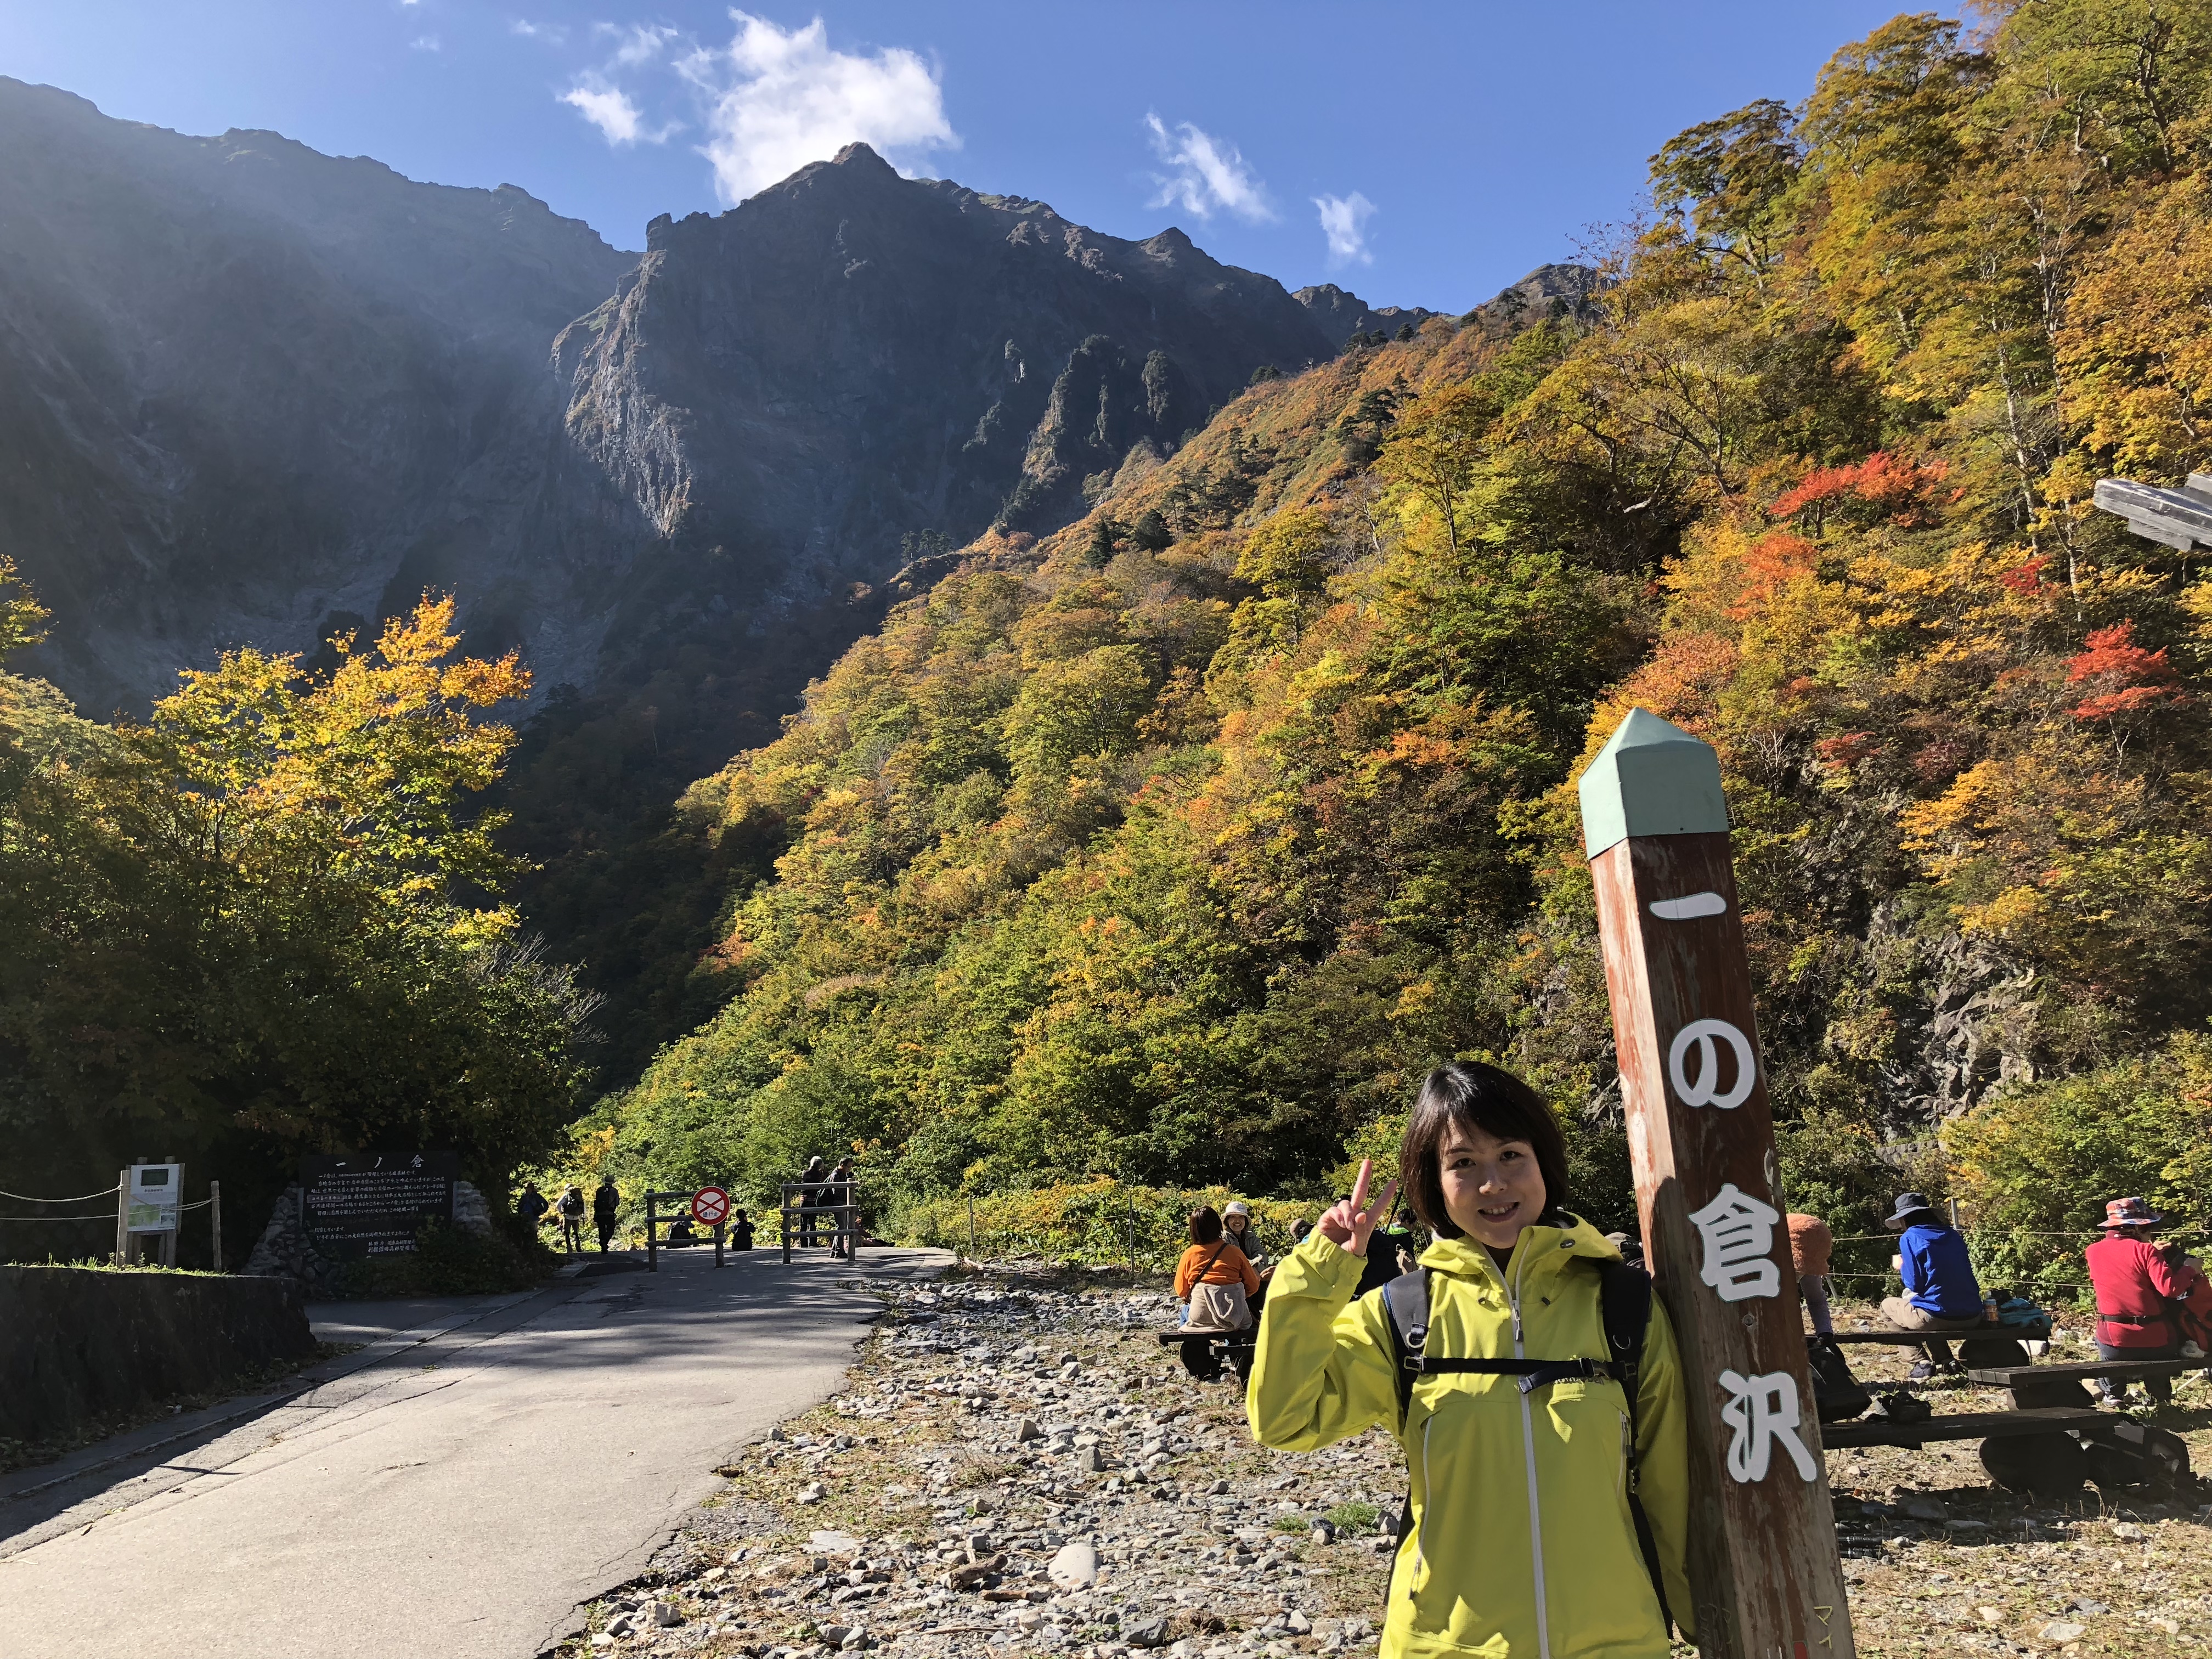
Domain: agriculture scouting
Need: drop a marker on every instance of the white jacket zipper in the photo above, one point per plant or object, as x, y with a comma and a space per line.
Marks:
1529, 1450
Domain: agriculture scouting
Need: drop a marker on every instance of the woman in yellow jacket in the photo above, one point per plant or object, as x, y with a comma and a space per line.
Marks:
1523, 1543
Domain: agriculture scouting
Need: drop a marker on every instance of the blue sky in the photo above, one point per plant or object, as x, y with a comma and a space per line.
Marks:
1424, 154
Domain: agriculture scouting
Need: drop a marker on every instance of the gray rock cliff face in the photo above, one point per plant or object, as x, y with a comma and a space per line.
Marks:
1340, 314
251, 394
851, 357
247, 391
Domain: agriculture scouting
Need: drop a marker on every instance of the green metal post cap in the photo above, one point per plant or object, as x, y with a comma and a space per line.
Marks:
1652, 778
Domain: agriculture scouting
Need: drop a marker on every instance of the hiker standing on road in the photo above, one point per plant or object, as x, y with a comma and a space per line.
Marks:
810, 1196
741, 1231
571, 1207
530, 1209
2138, 1288
1811, 1250
1940, 1293
607, 1209
846, 1227
1513, 1280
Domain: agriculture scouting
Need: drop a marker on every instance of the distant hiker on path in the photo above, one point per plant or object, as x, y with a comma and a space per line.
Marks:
2141, 1292
530, 1209
1812, 1248
606, 1208
741, 1232
1940, 1293
846, 1220
1523, 1534
571, 1207
810, 1196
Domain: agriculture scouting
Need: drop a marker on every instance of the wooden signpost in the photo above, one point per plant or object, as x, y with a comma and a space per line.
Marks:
1763, 1561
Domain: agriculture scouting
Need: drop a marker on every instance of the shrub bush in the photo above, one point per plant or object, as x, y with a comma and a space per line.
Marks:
2035, 1166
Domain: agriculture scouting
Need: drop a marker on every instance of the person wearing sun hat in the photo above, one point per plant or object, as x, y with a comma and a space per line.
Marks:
2141, 1292
1941, 1292
1236, 1222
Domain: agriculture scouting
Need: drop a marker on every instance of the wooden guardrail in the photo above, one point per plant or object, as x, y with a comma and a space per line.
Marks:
798, 1214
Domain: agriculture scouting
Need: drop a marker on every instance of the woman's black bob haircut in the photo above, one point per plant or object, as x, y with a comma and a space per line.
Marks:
1205, 1224
1468, 1094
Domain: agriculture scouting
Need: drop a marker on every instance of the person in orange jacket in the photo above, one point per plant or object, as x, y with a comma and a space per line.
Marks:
1214, 1281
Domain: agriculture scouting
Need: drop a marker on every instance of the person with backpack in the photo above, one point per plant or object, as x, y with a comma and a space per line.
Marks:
1527, 1372
606, 1210
2143, 1296
741, 1231
571, 1207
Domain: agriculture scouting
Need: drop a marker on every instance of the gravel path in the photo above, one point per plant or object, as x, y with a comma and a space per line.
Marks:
1016, 1466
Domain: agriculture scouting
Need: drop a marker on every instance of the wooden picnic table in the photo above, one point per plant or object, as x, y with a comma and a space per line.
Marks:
2052, 1437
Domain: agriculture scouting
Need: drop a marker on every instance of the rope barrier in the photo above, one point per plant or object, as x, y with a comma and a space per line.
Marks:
105, 1215
99, 1215
24, 1198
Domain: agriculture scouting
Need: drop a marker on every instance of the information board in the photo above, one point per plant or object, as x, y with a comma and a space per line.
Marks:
155, 1189
373, 1203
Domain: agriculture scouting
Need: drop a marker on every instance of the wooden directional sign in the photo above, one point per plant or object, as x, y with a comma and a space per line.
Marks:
710, 1207
1763, 1560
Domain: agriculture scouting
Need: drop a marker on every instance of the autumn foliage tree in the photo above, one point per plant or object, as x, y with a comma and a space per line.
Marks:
1177, 856
245, 923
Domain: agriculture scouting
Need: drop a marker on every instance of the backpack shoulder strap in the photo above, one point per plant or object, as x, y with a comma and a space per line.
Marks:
1625, 1306
1405, 1299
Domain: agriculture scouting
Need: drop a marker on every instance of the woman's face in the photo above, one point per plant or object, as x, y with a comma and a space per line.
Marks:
1492, 1187
1236, 1224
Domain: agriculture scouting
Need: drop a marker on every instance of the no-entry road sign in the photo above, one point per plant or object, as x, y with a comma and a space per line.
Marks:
710, 1207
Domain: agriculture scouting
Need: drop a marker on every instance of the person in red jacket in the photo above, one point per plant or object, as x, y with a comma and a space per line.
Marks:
2138, 1286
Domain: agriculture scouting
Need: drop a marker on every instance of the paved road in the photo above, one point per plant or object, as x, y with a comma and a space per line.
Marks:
454, 1493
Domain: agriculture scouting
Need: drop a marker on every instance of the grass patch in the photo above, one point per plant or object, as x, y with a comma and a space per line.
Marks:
1354, 1517
974, 1469
1292, 1523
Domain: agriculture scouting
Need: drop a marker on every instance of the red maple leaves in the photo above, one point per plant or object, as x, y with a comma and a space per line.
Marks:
2122, 677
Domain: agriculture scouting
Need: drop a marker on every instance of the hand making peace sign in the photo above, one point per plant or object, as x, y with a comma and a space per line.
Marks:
1349, 1225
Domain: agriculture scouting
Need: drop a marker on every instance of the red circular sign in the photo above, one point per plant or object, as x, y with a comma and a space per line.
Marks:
710, 1207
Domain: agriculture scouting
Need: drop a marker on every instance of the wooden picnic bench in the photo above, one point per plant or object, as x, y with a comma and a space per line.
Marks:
2053, 1437
1205, 1353
1978, 1346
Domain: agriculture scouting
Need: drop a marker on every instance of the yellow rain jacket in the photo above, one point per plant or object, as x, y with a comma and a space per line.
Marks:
1522, 1546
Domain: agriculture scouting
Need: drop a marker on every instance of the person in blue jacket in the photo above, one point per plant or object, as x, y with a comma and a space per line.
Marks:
1941, 1292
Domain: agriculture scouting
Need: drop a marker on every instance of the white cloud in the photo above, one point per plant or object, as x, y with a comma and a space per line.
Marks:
1344, 221
778, 99
600, 99
640, 43
552, 34
425, 43
608, 108
1208, 174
